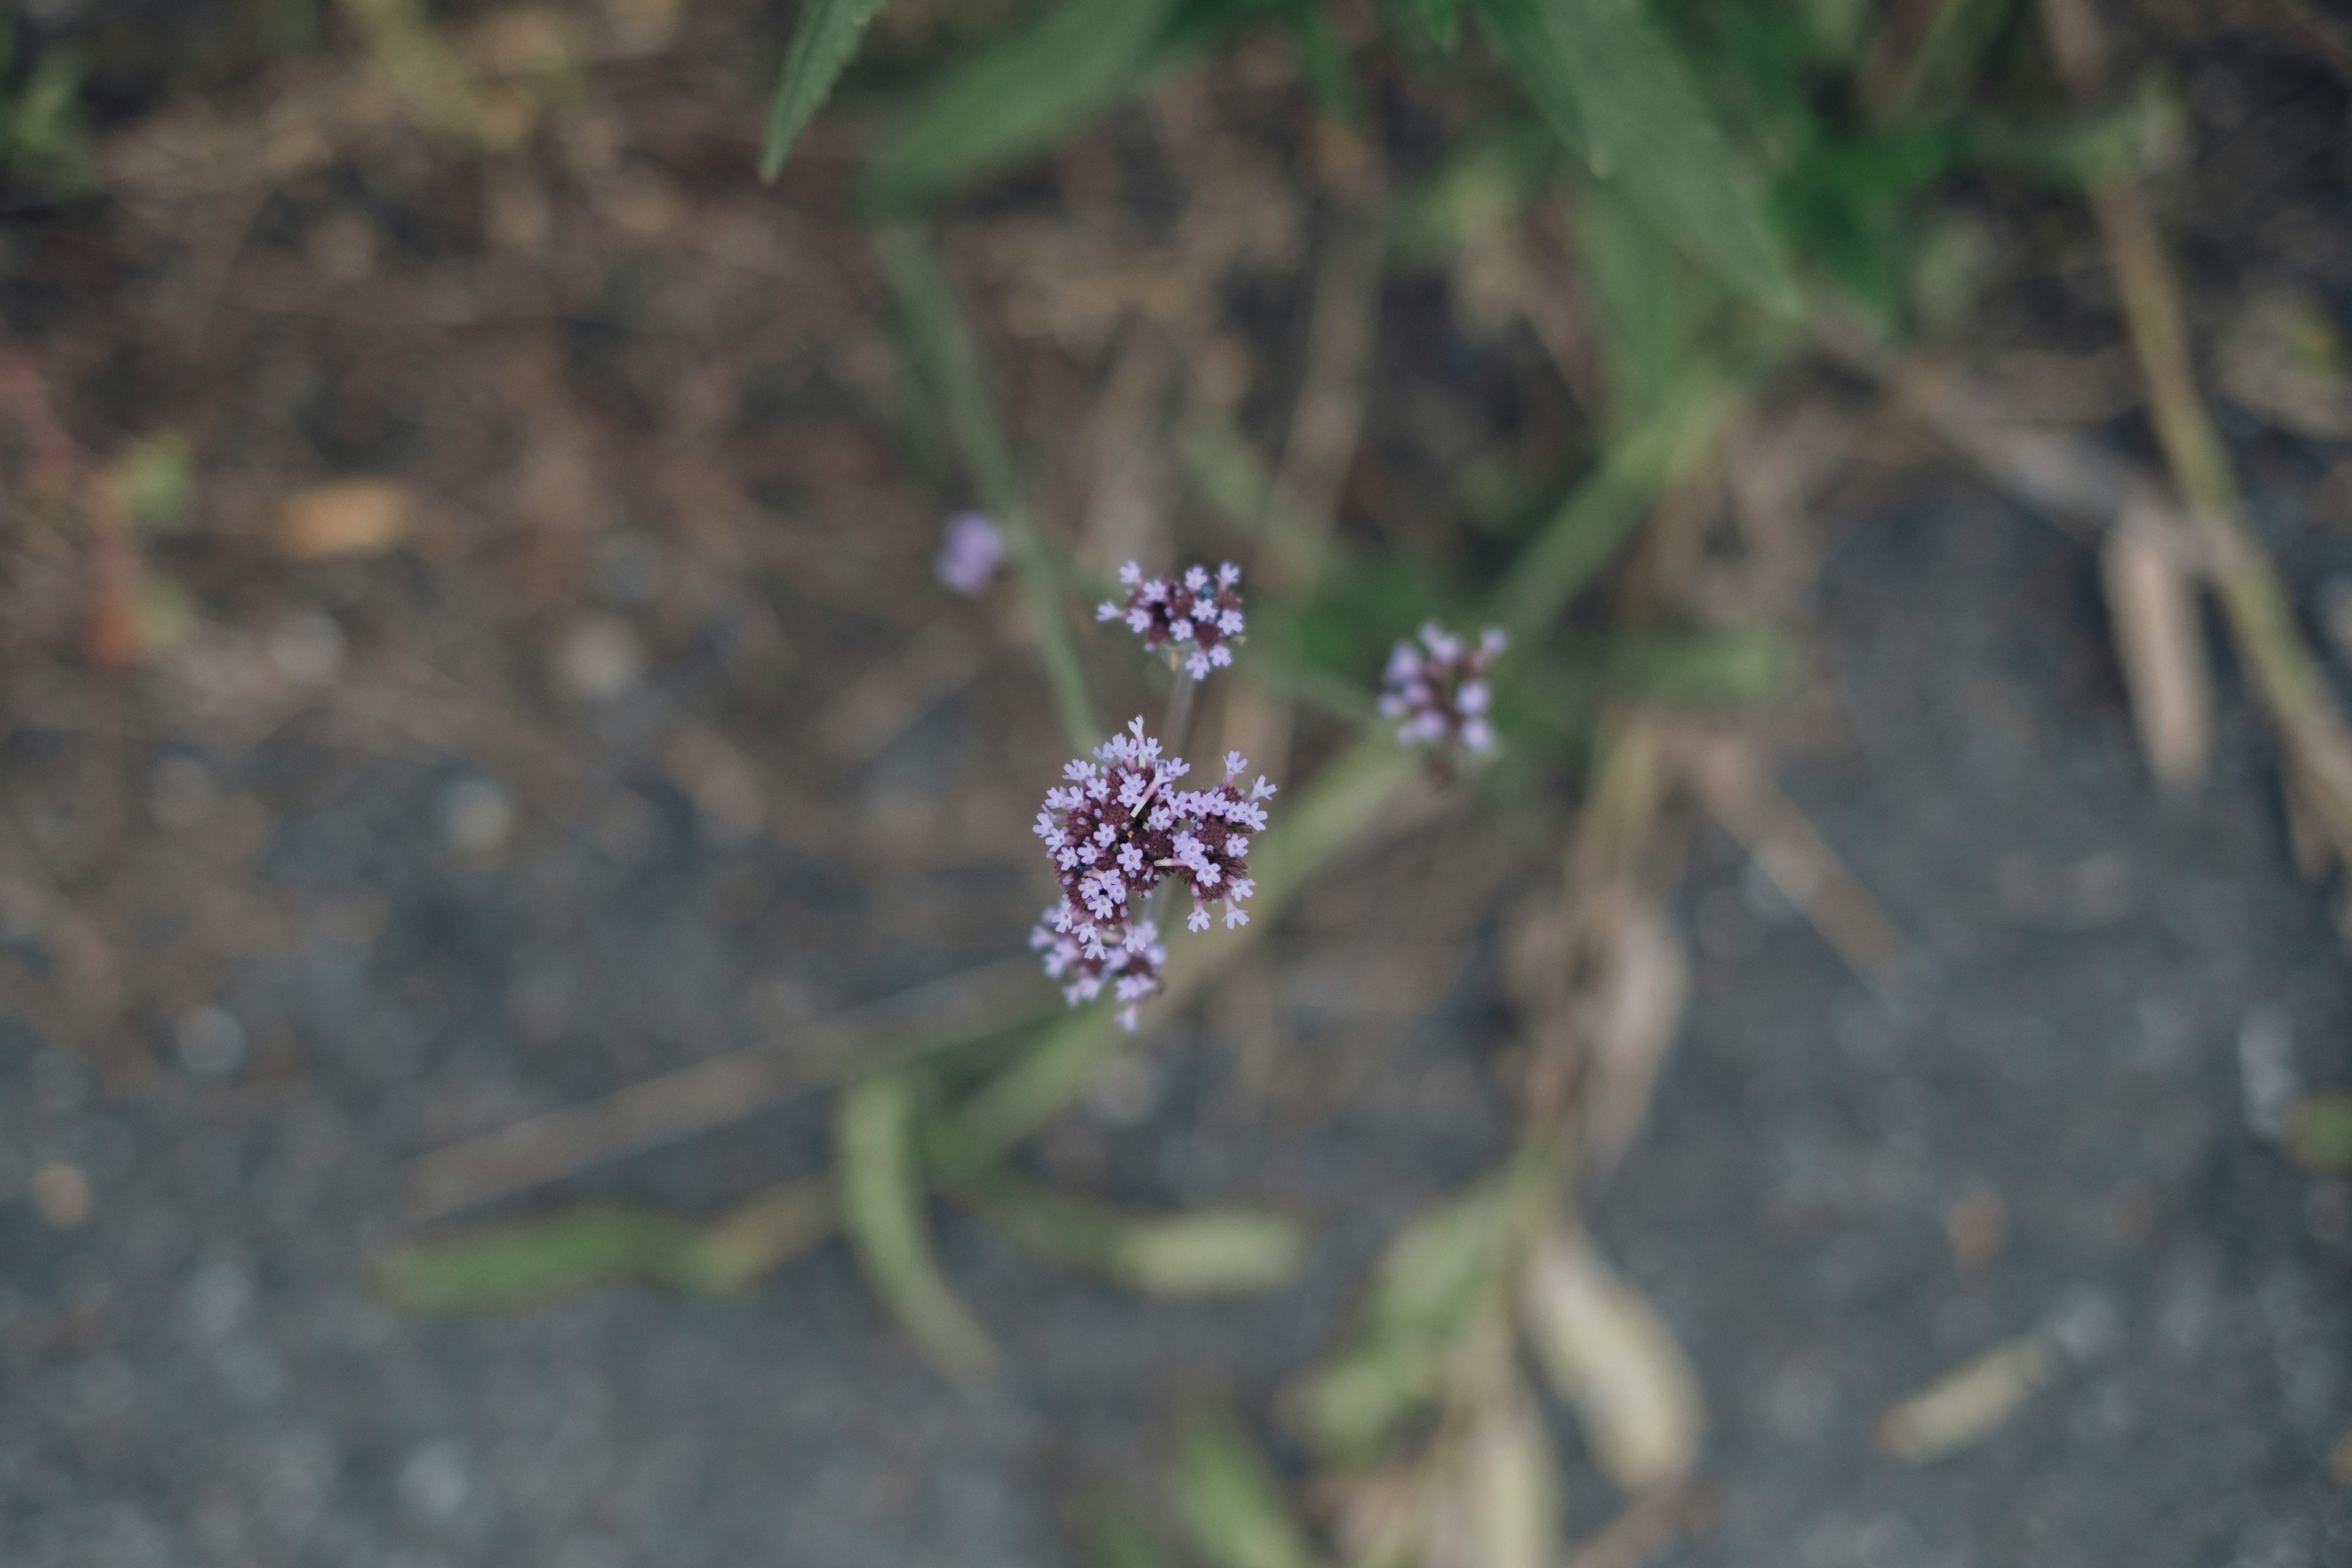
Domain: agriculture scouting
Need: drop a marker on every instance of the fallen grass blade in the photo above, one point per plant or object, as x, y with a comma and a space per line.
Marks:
1232, 1503
510, 1266
1611, 89
1640, 1011
1610, 1354
1968, 1404
1199, 1252
882, 1209
2161, 646
1017, 96
943, 354
824, 42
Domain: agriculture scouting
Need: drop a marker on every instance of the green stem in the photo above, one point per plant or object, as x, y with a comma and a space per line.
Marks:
945, 356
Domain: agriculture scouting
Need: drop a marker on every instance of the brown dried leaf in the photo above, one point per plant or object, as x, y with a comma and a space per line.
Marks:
351, 517
1968, 1404
2162, 649
1609, 1353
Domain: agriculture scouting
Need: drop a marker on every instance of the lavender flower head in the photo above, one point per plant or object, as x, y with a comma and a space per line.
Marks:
1116, 830
1439, 688
972, 548
1170, 613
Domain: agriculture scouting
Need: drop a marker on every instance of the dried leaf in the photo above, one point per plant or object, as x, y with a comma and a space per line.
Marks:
1511, 1485
2161, 646
1610, 1354
355, 517
1968, 1404
1638, 1011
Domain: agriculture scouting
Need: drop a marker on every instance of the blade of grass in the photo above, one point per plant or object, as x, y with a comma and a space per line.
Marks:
944, 355
882, 1209
1119, 1536
824, 42
1232, 1503
1636, 470
1613, 92
1017, 96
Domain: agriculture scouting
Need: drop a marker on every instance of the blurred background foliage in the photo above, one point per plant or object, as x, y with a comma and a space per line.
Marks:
1735, 191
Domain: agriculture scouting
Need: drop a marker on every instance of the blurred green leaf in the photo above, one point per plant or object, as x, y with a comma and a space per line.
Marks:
1603, 512
1202, 1252
1611, 89
1441, 1266
1707, 669
1348, 1407
1648, 300
1232, 1503
2319, 1132
1016, 97
824, 41
158, 476
509, 1266
1484, 182
1119, 1538
1429, 26
882, 1209
1323, 62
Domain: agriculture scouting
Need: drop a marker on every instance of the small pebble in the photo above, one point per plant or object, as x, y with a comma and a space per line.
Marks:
307, 646
209, 1041
477, 816
62, 1194
599, 658
179, 790
628, 569
434, 1483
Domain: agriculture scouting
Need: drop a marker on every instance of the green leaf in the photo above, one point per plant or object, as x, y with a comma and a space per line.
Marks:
1232, 1503
1430, 27
1611, 89
1348, 1407
1203, 1252
882, 1209
1323, 62
501, 1267
1646, 299
823, 44
1018, 96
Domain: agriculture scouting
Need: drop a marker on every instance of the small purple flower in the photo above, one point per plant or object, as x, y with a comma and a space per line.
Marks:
1116, 829
970, 550
1172, 612
1439, 688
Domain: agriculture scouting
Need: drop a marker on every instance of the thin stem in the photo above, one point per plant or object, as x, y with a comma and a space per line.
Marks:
943, 350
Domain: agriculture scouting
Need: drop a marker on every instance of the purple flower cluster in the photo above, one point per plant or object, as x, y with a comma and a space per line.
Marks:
1438, 687
1170, 613
1116, 830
